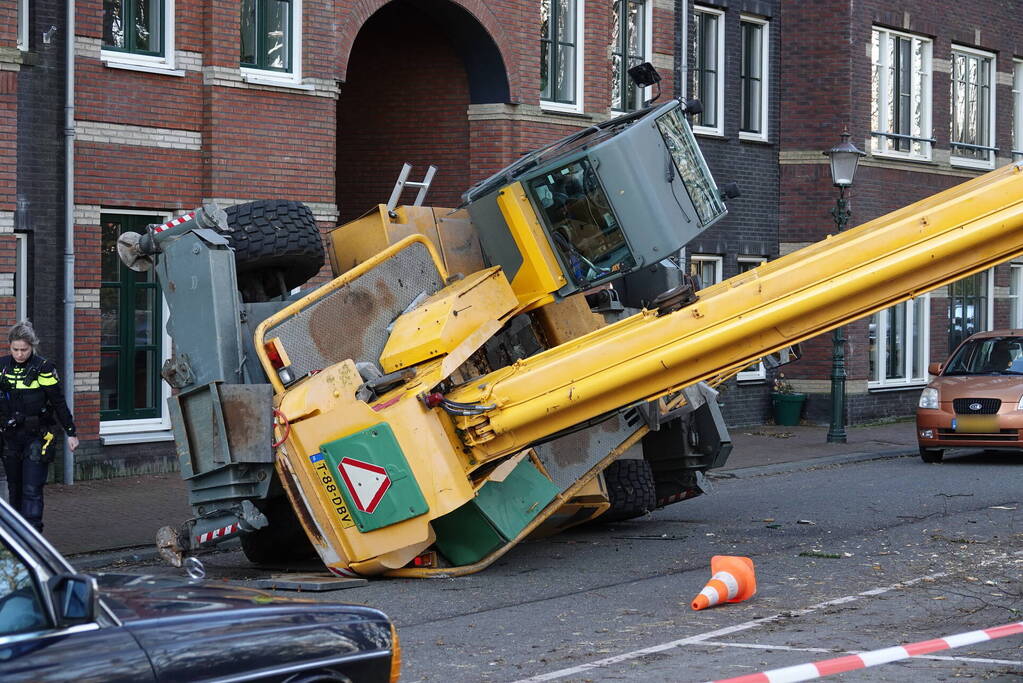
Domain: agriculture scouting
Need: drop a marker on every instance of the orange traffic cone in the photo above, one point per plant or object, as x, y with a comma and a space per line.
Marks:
733, 581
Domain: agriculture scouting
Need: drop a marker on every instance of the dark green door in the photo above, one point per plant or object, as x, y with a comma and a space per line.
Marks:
130, 329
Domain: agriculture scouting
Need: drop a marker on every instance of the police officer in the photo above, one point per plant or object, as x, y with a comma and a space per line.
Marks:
31, 403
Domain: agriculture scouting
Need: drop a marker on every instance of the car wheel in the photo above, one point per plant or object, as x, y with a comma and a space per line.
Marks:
277, 247
630, 490
931, 454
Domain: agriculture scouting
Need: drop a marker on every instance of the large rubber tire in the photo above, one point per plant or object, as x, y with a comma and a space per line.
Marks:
276, 244
931, 455
282, 541
630, 490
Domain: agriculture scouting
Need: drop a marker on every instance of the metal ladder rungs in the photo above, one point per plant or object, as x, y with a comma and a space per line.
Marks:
404, 182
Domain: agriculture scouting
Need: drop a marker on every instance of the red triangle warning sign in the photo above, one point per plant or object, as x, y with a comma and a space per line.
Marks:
367, 483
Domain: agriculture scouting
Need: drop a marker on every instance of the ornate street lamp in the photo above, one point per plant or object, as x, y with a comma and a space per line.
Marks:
844, 158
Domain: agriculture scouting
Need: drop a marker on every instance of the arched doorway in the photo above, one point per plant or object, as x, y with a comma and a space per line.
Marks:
413, 70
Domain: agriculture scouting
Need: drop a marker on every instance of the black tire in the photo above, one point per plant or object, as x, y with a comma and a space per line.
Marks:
630, 489
931, 455
282, 541
277, 247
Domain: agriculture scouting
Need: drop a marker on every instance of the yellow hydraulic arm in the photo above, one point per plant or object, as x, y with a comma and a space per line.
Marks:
963, 230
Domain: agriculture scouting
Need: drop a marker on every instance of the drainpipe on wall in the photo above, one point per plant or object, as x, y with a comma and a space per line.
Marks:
69, 230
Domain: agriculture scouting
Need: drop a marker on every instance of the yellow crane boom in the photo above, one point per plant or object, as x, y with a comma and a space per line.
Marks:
963, 230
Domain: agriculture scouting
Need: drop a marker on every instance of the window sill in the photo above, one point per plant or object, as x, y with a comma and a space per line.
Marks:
116, 62
957, 162
889, 156
136, 437
754, 137
261, 78
750, 381
709, 133
883, 389
556, 108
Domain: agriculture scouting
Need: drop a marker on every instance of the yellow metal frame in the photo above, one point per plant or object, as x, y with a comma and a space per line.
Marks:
331, 287
552, 507
540, 274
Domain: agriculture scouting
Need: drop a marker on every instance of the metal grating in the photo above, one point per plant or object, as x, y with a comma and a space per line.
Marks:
986, 406
1010, 435
351, 322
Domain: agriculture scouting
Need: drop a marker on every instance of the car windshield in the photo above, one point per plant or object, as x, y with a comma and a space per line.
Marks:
988, 356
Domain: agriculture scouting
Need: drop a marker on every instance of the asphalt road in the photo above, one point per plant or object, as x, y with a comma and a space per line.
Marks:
849, 558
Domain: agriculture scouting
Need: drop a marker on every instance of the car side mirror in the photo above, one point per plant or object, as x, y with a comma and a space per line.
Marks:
75, 599
934, 368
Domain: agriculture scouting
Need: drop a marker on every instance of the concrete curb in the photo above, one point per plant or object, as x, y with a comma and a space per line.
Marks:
812, 463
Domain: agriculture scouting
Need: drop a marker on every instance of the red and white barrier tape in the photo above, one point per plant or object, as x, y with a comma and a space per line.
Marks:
176, 221
217, 533
827, 667
347, 573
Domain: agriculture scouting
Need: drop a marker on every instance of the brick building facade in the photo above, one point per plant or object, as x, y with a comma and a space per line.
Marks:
932, 93
179, 102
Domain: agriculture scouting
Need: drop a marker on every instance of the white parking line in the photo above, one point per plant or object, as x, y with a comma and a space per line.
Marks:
824, 650
703, 637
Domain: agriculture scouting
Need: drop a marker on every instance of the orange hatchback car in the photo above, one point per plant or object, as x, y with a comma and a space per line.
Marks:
976, 398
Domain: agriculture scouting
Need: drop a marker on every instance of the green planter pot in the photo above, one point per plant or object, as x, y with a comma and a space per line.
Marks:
787, 408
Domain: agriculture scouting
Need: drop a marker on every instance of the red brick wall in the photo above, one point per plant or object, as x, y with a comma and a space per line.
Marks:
826, 88
405, 99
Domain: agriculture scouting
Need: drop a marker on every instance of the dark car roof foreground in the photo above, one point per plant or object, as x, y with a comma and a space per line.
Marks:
145, 627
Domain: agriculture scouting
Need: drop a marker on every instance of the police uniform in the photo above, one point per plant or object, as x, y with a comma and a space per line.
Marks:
31, 403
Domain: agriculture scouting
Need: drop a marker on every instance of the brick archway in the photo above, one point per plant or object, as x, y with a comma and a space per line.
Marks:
487, 41
411, 72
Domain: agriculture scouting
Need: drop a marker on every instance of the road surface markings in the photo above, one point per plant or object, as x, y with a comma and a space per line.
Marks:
727, 630
863, 660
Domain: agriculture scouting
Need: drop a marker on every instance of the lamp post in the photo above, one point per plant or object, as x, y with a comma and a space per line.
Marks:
844, 158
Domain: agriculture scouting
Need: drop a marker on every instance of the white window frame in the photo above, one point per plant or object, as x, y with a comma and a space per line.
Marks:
719, 128
114, 432
648, 48
992, 88
580, 49
989, 294
292, 79
755, 372
1017, 109
880, 144
20, 275
160, 64
1015, 296
765, 73
23, 8
718, 267
880, 322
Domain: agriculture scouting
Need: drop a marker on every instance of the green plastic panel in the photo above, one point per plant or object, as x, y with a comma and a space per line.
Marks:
499, 512
374, 477
464, 536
